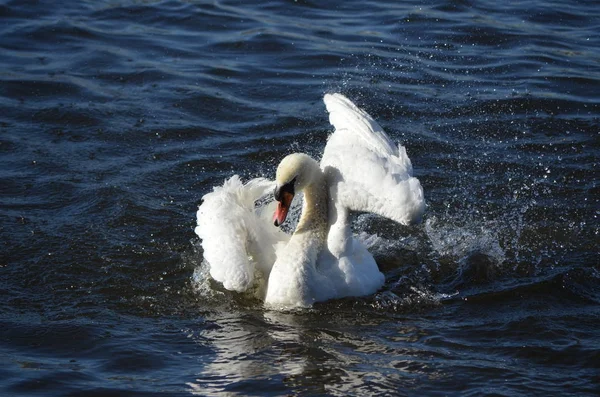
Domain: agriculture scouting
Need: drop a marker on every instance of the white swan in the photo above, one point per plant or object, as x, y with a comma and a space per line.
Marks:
361, 170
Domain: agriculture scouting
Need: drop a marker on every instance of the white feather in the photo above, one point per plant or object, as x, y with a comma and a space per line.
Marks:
362, 171
237, 237
367, 172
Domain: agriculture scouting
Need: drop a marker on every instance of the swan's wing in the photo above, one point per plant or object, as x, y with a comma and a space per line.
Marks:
367, 172
237, 237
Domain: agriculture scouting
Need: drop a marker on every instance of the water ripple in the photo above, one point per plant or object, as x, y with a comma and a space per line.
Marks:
117, 117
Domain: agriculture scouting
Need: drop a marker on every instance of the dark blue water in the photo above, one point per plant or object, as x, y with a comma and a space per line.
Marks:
116, 117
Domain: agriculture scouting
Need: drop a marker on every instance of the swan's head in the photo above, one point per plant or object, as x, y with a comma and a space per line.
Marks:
295, 172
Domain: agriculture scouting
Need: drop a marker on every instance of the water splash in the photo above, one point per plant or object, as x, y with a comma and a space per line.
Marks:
457, 242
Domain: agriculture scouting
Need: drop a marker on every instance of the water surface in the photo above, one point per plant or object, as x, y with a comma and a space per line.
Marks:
116, 117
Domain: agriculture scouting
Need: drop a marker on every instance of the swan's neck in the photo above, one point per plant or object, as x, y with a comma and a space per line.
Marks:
314, 216
293, 275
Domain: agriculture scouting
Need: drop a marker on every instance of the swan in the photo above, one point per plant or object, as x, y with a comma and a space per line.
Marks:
360, 170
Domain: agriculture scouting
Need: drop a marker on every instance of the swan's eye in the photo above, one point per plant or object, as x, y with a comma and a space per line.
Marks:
286, 188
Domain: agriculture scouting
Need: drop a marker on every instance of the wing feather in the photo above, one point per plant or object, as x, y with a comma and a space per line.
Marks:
367, 172
238, 238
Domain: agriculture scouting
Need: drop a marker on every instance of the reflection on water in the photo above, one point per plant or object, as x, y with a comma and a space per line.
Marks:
311, 351
248, 347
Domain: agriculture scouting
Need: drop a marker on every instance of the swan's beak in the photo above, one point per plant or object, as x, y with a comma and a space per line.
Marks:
283, 206
284, 195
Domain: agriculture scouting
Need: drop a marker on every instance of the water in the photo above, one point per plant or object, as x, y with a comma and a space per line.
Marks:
116, 117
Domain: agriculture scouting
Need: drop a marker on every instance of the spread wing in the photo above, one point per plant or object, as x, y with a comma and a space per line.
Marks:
238, 237
366, 171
